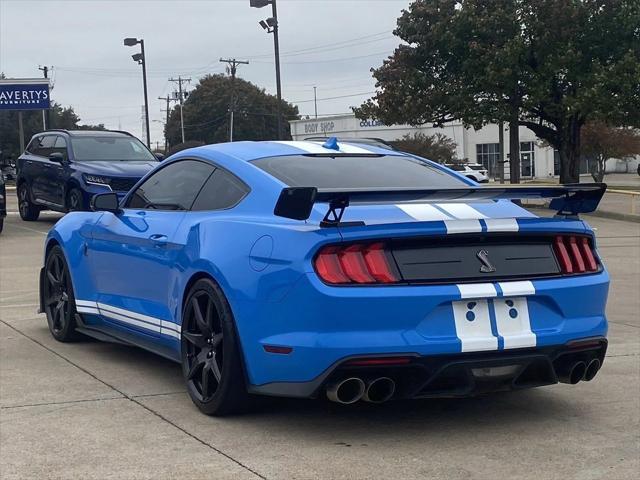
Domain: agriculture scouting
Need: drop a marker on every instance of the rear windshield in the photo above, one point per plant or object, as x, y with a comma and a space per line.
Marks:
99, 148
384, 171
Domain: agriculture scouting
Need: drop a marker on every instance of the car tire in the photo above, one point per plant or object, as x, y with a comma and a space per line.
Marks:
212, 363
1, 224
75, 201
59, 301
28, 211
471, 177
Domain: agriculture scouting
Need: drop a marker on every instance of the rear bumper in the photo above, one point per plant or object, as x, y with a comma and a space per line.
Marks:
323, 325
461, 375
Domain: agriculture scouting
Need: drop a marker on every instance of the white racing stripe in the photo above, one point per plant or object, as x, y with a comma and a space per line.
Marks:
512, 322
316, 147
86, 303
463, 226
128, 313
473, 325
347, 148
461, 211
423, 212
517, 288
130, 321
171, 333
309, 147
477, 290
502, 225
91, 310
127, 316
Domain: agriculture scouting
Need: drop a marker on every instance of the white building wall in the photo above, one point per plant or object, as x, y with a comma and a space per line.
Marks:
466, 138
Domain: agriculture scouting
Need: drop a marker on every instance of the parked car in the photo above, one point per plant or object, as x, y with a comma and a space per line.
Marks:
3, 202
474, 171
7, 166
299, 270
62, 170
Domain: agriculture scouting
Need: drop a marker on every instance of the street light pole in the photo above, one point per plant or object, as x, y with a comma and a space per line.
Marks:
141, 60
146, 99
271, 26
276, 48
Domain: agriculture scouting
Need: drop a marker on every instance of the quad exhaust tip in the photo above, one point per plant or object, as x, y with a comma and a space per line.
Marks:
346, 391
572, 373
379, 390
592, 369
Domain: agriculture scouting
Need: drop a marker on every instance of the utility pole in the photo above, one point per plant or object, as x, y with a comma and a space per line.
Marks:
179, 81
315, 100
46, 117
501, 152
168, 111
233, 66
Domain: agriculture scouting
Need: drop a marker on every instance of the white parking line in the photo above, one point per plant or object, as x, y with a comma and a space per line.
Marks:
28, 229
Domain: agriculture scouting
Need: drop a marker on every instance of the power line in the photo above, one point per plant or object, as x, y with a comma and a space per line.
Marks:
333, 60
334, 98
331, 46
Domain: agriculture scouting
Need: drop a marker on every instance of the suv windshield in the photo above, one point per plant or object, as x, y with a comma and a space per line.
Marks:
115, 148
365, 171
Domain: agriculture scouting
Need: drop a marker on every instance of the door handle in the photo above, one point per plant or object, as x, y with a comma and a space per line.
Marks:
159, 239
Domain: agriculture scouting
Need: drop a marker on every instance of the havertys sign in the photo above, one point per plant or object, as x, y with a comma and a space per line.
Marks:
24, 94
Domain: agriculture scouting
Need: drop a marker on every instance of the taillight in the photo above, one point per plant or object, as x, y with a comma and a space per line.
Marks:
574, 254
357, 263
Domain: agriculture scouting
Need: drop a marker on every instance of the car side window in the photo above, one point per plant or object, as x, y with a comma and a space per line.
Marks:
33, 146
173, 187
45, 146
222, 190
60, 146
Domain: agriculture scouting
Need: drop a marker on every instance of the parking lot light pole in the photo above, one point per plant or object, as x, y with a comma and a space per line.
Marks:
141, 60
271, 26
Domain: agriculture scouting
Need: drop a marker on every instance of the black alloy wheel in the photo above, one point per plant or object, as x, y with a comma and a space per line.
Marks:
74, 201
28, 211
59, 303
211, 359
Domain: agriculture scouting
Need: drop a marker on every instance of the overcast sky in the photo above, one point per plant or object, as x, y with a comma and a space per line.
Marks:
328, 43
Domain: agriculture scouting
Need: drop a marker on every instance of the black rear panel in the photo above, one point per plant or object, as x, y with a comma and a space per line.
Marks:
490, 258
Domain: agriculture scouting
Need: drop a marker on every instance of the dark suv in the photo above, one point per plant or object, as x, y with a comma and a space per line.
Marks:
62, 169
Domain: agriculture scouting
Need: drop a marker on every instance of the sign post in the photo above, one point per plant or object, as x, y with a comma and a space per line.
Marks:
24, 94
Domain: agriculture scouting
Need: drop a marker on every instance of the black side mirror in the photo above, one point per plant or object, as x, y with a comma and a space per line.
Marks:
105, 202
56, 157
159, 156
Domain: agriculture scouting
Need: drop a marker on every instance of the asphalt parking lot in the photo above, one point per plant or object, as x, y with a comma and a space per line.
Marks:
96, 410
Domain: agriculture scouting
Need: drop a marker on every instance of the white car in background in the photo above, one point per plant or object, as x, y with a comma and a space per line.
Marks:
474, 171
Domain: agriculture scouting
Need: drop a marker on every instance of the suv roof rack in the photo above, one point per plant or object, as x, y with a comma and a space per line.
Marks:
72, 131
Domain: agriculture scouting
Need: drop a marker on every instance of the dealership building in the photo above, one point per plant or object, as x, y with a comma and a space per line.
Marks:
478, 146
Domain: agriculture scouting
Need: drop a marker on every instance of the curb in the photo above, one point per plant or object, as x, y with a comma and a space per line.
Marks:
625, 217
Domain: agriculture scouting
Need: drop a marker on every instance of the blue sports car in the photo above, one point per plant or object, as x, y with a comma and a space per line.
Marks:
303, 269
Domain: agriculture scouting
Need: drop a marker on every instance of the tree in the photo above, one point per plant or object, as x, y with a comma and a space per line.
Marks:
206, 112
602, 142
549, 65
438, 147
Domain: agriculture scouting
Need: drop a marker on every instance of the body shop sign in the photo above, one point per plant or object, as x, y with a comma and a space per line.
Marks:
24, 95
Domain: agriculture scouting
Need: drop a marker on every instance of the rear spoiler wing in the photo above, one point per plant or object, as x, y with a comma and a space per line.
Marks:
572, 199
